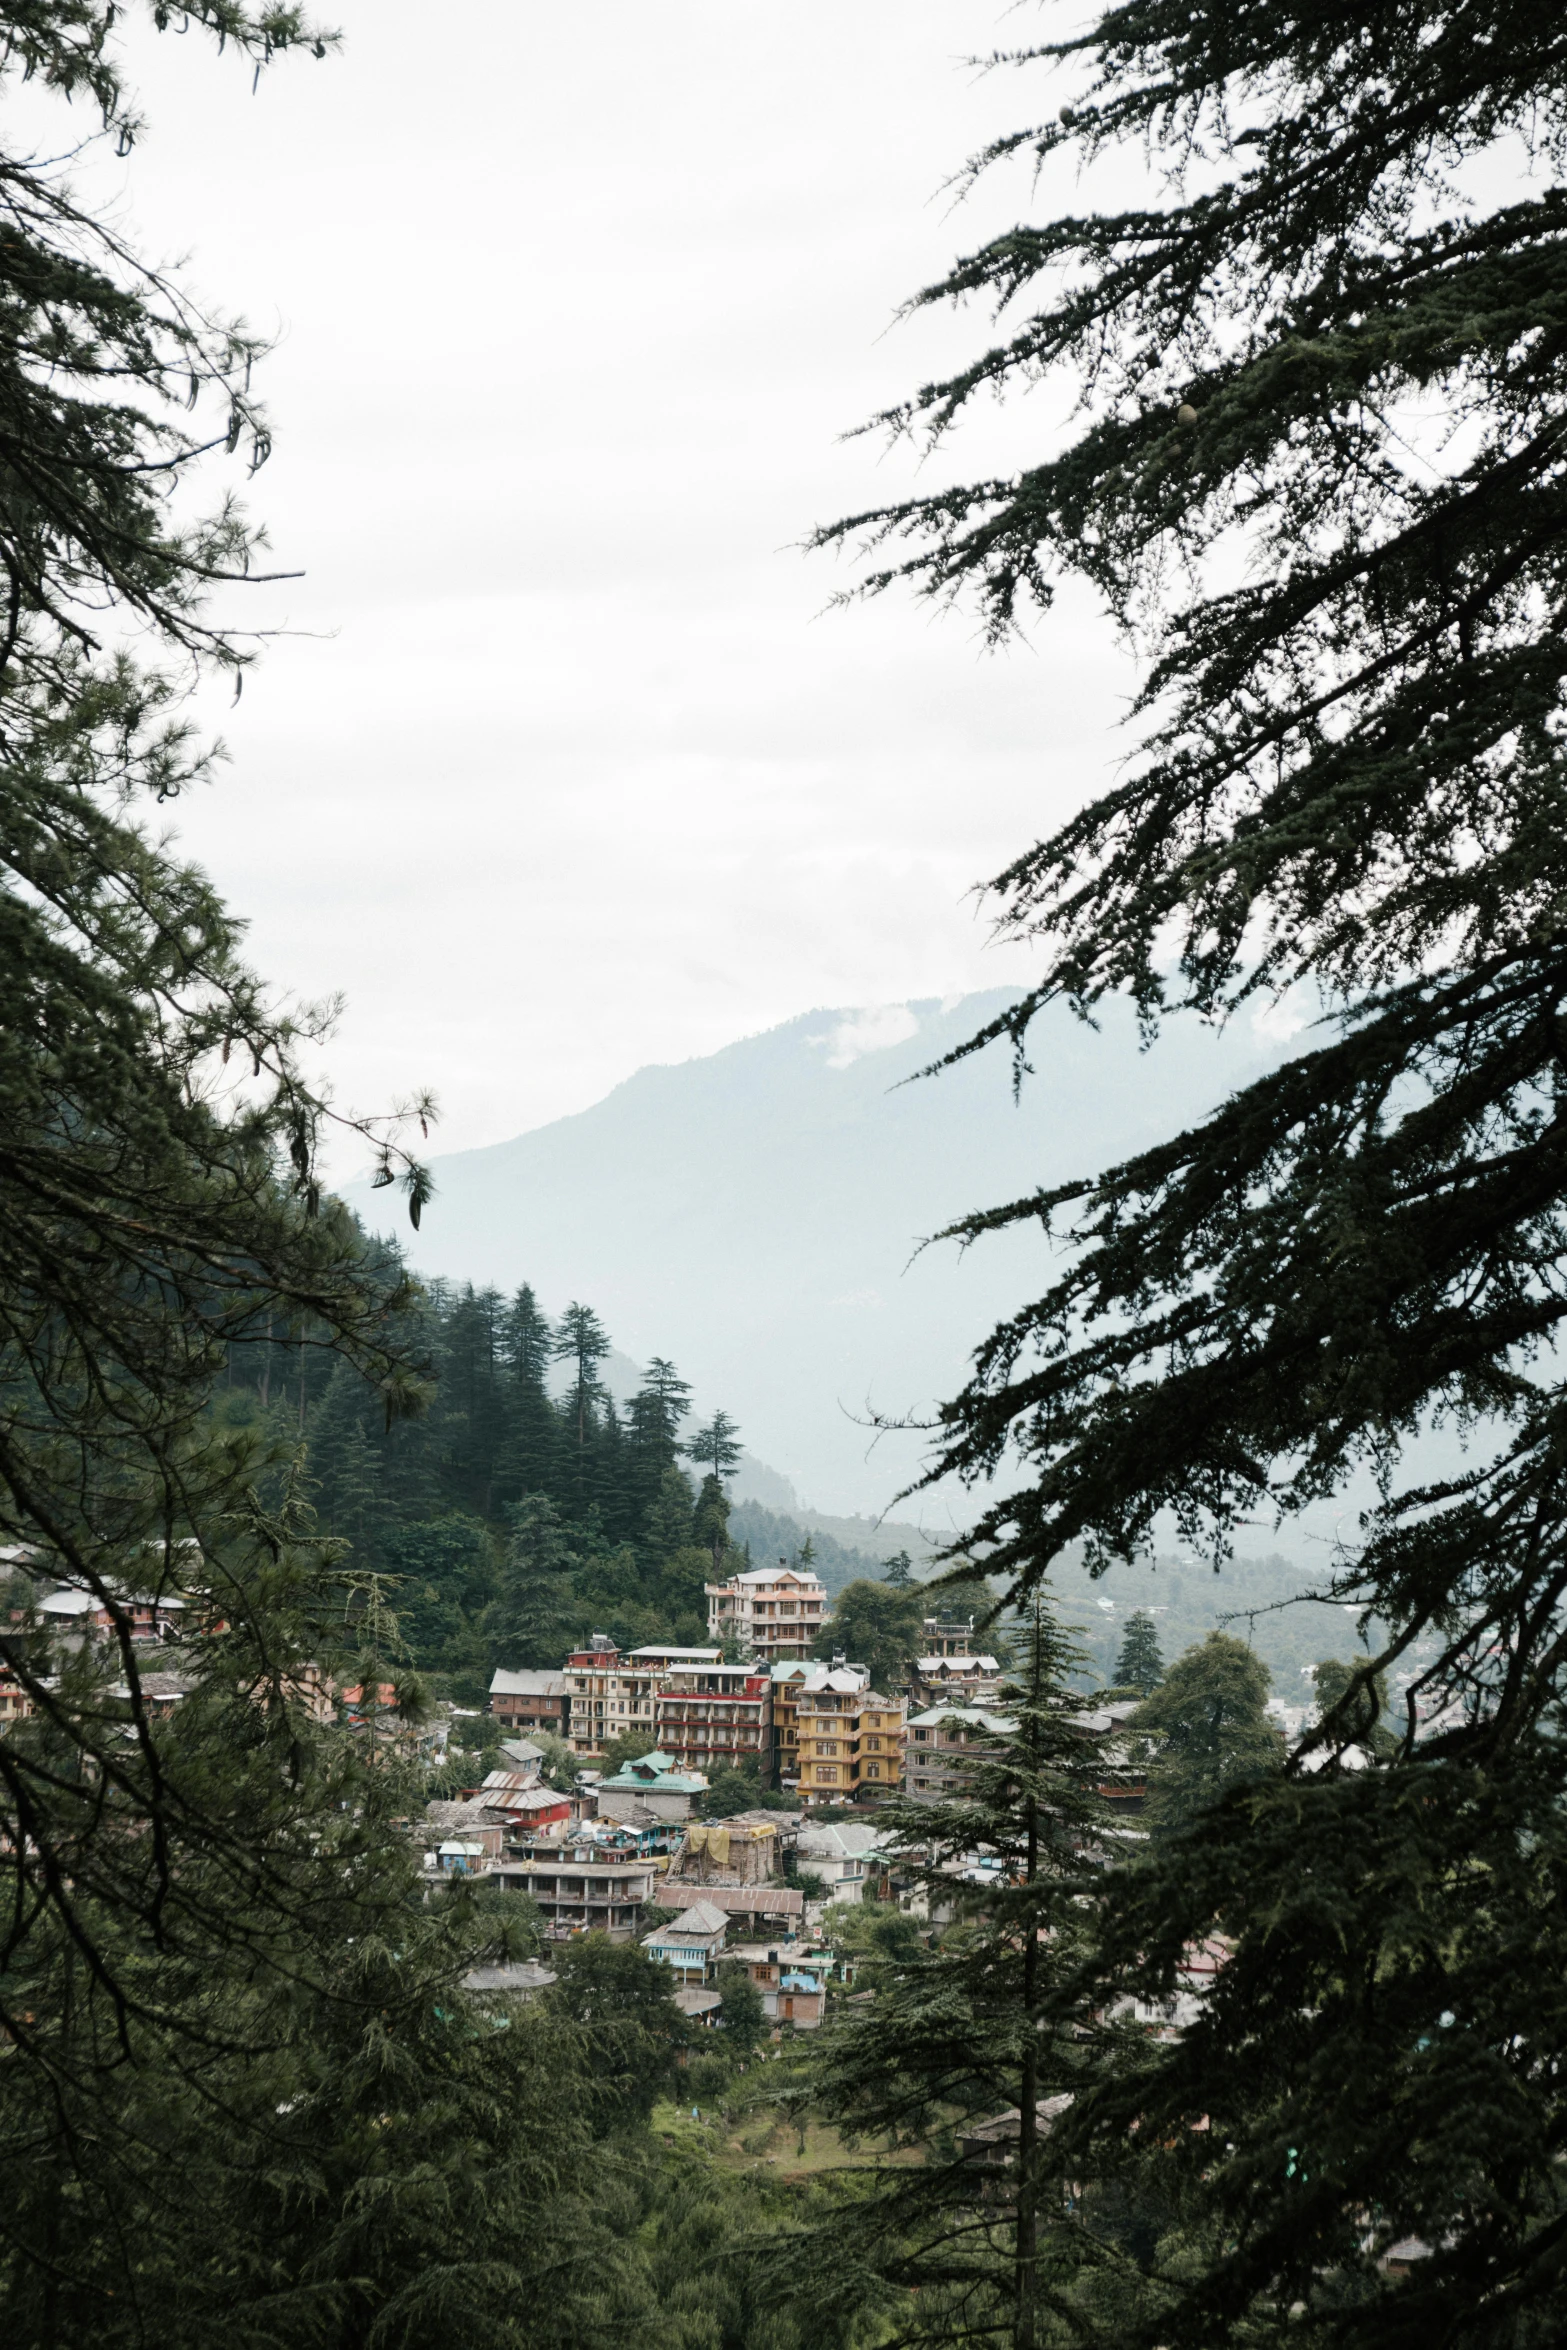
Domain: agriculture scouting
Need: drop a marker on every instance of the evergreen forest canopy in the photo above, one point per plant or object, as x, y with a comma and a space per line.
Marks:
1318, 475
245, 2094
512, 1517
1290, 2069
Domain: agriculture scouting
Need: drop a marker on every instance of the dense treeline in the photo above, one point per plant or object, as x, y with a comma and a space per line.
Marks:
770, 1535
1308, 325
249, 2094
517, 1514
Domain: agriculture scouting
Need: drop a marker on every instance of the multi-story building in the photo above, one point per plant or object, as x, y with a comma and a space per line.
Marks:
1123, 1757
585, 1896
940, 1677
937, 1740
157, 1617
710, 1714
850, 1743
531, 1701
610, 1694
791, 1677
769, 1611
947, 1636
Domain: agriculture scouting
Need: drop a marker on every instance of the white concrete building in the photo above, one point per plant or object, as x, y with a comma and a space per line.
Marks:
770, 1611
608, 1694
837, 1851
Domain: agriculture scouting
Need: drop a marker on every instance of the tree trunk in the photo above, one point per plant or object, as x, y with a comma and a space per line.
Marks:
1028, 2127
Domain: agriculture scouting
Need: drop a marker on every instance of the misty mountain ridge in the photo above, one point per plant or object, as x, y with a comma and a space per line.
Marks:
757, 1216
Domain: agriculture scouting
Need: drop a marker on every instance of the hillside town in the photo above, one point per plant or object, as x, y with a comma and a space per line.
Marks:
718, 1815
629, 1848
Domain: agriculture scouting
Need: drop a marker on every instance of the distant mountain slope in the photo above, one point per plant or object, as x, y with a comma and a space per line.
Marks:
756, 1214
771, 1537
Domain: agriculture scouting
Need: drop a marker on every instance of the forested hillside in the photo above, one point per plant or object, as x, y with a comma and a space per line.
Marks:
516, 1517
758, 1212
770, 1535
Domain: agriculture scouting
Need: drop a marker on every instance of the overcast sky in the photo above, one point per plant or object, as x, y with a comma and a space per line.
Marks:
569, 769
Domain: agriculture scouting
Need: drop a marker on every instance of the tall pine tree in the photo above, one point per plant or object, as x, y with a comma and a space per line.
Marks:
717, 1447
983, 2031
1319, 475
529, 1451
653, 1428
531, 1624
162, 1213
583, 1342
1139, 1665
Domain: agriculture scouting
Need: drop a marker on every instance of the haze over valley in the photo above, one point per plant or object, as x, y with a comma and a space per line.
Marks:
757, 1213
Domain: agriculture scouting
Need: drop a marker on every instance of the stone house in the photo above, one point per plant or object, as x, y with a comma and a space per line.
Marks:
728, 1852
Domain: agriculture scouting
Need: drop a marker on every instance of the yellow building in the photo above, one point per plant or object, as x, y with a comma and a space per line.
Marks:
793, 1676
848, 1741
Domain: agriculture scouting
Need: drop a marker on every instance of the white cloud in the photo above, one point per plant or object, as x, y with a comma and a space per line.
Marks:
569, 768
1284, 1017
870, 1031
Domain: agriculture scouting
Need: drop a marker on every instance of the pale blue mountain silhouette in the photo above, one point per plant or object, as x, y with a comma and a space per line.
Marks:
756, 1214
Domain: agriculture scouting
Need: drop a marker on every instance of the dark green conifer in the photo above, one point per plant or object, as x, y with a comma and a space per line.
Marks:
670, 1523
717, 1447
1319, 475
1139, 1665
875, 1626
657, 1409
653, 1420
1356, 1702
742, 2016
1209, 1719
582, 1341
710, 1523
984, 2025
527, 1461
163, 1223
531, 1622
473, 1395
